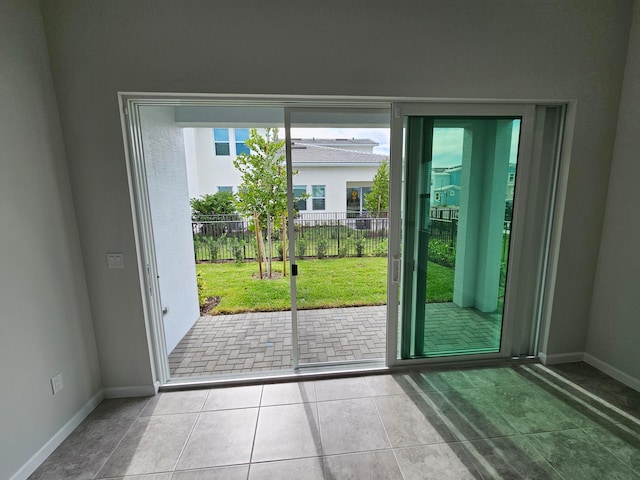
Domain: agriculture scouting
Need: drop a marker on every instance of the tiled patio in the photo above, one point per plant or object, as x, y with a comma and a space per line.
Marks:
449, 328
252, 342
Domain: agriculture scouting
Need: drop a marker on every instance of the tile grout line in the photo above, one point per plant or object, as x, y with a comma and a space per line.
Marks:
516, 429
135, 419
322, 454
580, 389
193, 427
255, 430
611, 452
393, 451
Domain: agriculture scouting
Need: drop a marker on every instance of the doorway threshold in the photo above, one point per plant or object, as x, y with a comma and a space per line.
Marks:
314, 371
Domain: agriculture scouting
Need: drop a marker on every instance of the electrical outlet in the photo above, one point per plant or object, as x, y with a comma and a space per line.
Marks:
56, 383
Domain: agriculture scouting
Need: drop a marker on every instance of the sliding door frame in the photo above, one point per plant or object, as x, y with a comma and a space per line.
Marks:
321, 108
400, 107
130, 104
516, 282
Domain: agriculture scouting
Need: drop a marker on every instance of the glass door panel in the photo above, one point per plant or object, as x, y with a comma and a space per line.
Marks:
460, 176
205, 157
340, 239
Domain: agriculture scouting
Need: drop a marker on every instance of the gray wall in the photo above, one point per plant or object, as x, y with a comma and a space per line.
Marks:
530, 49
166, 168
614, 329
45, 320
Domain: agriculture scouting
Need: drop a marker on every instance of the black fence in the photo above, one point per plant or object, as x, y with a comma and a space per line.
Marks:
317, 235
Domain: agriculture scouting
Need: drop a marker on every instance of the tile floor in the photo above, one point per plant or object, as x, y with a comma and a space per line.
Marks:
528, 421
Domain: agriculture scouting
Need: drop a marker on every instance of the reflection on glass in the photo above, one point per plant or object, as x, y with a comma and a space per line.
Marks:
460, 191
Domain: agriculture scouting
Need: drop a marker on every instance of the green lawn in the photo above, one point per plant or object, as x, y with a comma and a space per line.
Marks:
340, 282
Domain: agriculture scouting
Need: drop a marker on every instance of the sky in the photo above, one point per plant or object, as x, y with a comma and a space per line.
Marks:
447, 142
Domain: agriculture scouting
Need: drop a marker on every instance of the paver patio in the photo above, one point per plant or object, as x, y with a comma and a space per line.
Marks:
261, 341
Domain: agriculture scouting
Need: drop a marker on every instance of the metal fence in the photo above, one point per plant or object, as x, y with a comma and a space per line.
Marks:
317, 235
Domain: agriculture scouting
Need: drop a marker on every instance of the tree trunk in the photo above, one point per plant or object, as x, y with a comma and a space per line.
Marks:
378, 214
256, 225
284, 244
262, 249
269, 254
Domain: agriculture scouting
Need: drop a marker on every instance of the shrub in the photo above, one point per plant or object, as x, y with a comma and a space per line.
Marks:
301, 247
442, 253
359, 247
202, 287
322, 249
220, 203
382, 248
237, 247
197, 245
214, 248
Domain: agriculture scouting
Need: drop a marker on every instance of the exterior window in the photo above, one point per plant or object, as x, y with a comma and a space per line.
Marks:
317, 197
512, 177
364, 191
242, 134
300, 204
225, 189
438, 195
221, 141
355, 200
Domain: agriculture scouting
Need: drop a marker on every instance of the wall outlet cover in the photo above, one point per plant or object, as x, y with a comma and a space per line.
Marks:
56, 383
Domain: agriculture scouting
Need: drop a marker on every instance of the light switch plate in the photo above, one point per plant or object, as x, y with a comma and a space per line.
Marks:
56, 383
115, 260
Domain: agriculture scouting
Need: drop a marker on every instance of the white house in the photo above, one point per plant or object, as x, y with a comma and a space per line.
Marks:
336, 174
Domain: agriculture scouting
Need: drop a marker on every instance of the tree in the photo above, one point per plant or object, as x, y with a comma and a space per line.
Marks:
262, 195
220, 203
377, 201
263, 190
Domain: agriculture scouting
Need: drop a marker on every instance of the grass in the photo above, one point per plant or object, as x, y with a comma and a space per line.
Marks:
329, 283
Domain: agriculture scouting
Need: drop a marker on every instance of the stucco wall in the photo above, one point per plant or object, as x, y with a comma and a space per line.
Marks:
164, 156
214, 171
335, 181
495, 49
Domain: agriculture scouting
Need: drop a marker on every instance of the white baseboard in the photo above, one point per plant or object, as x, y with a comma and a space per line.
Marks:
41, 455
556, 358
612, 371
137, 391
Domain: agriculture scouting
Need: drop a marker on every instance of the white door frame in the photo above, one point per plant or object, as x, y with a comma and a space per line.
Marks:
530, 129
141, 211
400, 107
318, 108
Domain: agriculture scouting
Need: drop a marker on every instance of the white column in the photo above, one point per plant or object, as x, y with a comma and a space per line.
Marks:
481, 216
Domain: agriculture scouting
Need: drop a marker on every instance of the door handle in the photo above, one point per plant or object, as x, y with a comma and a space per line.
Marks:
395, 270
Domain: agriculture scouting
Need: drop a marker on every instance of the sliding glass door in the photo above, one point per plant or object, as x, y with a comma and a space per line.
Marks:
455, 202
337, 160
460, 180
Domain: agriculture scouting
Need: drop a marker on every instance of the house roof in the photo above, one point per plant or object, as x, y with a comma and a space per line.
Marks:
446, 187
337, 142
309, 154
